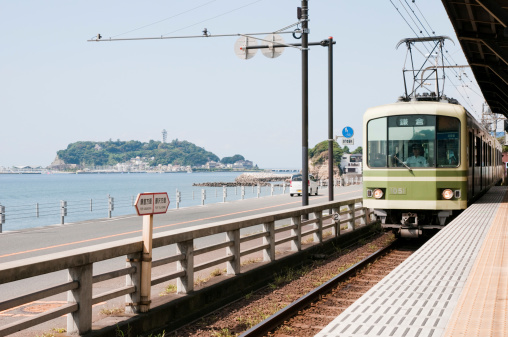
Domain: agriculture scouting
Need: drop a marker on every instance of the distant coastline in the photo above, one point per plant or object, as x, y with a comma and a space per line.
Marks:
45, 171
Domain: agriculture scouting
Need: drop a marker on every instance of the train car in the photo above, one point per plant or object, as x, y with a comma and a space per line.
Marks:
425, 161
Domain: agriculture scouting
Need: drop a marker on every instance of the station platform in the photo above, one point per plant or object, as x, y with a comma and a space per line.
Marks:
456, 284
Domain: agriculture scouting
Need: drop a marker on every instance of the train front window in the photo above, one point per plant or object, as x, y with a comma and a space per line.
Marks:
411, 141
414, 141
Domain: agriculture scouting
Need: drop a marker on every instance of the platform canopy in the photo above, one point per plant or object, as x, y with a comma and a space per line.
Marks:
482, 29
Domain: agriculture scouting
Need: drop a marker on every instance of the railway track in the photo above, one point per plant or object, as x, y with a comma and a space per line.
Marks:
312, 312
306, 303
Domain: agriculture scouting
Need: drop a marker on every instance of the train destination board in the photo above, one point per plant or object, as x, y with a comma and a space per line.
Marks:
152, 203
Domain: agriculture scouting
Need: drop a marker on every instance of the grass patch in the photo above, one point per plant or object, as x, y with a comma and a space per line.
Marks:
250, 261
112, 311
286, 276
222, 333
170, 289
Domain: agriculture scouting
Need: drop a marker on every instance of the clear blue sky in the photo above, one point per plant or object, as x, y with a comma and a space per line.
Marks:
56, 88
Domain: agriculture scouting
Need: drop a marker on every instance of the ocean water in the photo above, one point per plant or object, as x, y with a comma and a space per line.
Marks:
33, 200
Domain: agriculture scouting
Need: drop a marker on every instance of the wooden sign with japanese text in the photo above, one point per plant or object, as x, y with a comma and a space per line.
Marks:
152, 203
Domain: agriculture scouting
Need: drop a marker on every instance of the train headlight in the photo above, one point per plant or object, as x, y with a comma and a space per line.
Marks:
447, 194
378, 193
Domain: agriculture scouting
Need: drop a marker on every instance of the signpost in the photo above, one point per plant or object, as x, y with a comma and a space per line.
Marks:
148, 204
347, 136
347, 132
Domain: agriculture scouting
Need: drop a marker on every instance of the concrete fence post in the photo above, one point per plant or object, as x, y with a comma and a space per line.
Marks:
243, 192
259, 190
132, 300
269, 252
271, 190
224, 193
203, 196
80, 321
233, 267
296, 243
185, 284
352, 214
318, 236
363, 216
336, 219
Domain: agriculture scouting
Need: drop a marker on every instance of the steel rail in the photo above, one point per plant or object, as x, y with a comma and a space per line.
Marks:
277, 319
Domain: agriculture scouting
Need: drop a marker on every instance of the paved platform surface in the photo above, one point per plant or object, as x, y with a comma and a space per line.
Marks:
454, 285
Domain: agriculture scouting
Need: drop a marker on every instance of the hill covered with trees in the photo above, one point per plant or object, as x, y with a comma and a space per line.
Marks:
112, 152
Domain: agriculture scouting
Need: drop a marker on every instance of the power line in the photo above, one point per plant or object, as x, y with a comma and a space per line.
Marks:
215, 17
446, 58
418, 28
403, 18
171, 17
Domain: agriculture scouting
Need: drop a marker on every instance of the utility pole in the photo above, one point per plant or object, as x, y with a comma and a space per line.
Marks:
305, 102
330, 119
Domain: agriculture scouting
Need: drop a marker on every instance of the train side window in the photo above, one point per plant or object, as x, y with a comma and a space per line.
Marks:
448, 141
376, 142
478, 151
471, 149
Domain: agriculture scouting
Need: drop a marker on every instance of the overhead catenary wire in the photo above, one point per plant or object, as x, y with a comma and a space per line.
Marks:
418, 28
214, 17
446, 56
433, 32
166, 19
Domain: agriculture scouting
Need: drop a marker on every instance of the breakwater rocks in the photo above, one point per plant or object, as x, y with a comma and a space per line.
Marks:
250, 179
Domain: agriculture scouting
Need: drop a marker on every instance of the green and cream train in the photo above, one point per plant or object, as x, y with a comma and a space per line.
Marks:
425, 161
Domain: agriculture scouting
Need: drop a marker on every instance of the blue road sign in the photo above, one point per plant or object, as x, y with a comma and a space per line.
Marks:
347, 132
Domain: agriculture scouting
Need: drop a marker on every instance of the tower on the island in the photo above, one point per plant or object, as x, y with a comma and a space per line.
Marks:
164, 135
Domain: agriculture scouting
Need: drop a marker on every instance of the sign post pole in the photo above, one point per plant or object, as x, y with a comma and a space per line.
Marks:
146, 263
148, 204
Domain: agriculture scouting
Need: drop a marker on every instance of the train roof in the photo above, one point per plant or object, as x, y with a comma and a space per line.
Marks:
449, 107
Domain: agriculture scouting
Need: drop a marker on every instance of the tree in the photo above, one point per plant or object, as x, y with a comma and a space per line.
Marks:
358, 150
111, 153
319, 153
232, 160
346, 149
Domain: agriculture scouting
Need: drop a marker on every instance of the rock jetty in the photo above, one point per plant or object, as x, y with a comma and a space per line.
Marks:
251, 179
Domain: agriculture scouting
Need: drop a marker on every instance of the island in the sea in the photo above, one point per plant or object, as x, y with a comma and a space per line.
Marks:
135, 156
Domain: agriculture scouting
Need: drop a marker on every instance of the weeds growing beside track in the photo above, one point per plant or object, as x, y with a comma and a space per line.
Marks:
288, 286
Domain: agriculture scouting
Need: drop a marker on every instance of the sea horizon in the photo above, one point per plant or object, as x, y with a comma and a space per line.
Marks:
34, 200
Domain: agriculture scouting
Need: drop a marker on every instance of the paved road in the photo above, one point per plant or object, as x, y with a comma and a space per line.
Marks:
51, 239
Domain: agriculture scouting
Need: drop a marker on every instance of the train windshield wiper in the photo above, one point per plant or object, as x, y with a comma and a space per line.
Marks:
400, 161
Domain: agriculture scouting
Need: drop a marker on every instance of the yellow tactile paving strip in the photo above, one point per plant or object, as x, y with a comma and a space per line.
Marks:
482, 309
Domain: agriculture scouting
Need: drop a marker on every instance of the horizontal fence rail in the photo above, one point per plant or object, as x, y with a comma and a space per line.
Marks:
87, 209
335, 218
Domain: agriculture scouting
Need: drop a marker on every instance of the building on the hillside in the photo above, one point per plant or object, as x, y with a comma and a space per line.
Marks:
212, 164
243, 164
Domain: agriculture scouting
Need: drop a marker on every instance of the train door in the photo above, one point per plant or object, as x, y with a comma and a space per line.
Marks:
471, 162
478, 166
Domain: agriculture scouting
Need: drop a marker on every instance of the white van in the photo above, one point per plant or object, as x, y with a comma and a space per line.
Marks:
295, 186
